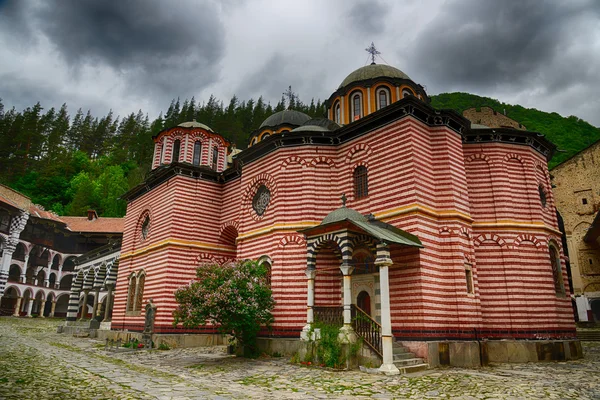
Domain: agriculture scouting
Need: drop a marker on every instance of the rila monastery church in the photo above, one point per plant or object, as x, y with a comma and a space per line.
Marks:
441, 228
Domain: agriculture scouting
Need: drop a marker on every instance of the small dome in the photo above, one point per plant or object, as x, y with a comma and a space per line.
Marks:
290, 117
195, 124
371, 72
317, 125
343, 213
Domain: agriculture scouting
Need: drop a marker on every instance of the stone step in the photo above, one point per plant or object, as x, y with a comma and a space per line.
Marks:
397, 348
591, 335
408, 369
403, 356
408, 361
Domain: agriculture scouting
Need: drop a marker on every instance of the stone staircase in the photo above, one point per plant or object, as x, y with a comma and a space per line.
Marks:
588, 335
406, 361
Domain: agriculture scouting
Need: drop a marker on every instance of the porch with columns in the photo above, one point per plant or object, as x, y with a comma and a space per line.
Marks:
343, 231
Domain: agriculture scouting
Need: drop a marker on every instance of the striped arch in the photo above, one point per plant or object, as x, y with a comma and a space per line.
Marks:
322, 160
88, 279
112, 270
197, 135
445, 230
464, 232
515, 156
314, 245
263, 178
357, 148
554, 241
100, 276
478, 156
488, 237
524, 237
293, 160
299, 240
357, 240
77, 284
205, 258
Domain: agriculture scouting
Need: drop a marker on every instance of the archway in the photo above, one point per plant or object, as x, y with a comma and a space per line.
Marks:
37, 303
69, 264
52, 280
40, 277
14, 273
19, 253
65, 282
9, 301
48, 307
62, 306
363, 301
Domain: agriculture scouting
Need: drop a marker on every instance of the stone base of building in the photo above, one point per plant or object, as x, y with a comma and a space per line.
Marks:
474, 354
171, 340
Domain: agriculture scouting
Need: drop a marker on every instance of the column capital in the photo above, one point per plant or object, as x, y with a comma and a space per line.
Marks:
346, 268
310, 273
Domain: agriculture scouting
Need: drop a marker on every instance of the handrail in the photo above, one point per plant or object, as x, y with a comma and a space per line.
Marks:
367, 328
332, 315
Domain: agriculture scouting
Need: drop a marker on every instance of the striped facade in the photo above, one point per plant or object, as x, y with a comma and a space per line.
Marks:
474, 204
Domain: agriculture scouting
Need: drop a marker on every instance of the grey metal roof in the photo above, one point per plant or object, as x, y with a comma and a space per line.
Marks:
310, 128
388, 233
290, 117
479, 126
343, 213
322, 122
373, 71
195, 124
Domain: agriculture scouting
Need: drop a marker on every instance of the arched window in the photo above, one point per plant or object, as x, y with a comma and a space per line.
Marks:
361, 182
139, 292
176, 148
145, 227
556, 270
542, 195
131, 292
266, 135
337, 113
197, 152
356, 106
215, 157
407, 92
383, 98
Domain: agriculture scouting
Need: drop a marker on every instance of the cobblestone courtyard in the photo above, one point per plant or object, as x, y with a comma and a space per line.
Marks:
37, 363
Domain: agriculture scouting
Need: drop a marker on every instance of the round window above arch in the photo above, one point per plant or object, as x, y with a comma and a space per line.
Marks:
261, 200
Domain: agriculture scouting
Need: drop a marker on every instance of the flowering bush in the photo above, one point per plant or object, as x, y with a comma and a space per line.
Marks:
234, 297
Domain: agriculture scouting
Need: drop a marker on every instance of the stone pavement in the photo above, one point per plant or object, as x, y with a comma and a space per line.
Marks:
37, 363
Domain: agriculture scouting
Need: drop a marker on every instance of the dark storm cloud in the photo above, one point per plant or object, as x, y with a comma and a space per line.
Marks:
367, 17
161, 46
14, 21
272, 79
478, 44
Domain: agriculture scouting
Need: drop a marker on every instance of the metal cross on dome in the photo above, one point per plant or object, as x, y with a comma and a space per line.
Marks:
373, 52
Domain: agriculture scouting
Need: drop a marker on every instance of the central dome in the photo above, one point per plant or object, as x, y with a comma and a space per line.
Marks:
290, 117
373, 71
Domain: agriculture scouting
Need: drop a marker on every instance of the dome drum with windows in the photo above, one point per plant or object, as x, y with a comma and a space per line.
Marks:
369, 89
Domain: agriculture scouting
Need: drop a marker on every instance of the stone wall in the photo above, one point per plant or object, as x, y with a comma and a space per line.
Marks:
488, 117
577, 196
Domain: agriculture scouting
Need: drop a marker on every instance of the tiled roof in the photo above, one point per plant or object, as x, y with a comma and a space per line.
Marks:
83, 224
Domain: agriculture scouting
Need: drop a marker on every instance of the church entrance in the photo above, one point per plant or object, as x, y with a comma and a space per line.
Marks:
363, 301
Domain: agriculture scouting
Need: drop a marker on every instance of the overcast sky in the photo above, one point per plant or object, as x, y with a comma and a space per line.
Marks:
127, 55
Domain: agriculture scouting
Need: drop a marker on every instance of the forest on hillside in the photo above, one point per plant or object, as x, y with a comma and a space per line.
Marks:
71, 163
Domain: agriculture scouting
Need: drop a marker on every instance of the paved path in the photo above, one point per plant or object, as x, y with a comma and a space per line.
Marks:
37, 363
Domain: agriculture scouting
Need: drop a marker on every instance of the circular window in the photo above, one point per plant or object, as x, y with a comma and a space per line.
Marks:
261, 200
146, 227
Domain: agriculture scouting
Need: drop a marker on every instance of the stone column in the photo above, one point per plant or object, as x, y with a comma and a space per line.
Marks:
18, 307
47, 277
310, 303
29, 307
347, 334
95, 308
42, 308
109, 304
52, 309
24, 270
384, 261
58, 276
84, 307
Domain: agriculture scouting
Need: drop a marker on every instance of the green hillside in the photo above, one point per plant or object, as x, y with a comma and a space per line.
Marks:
570, 134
